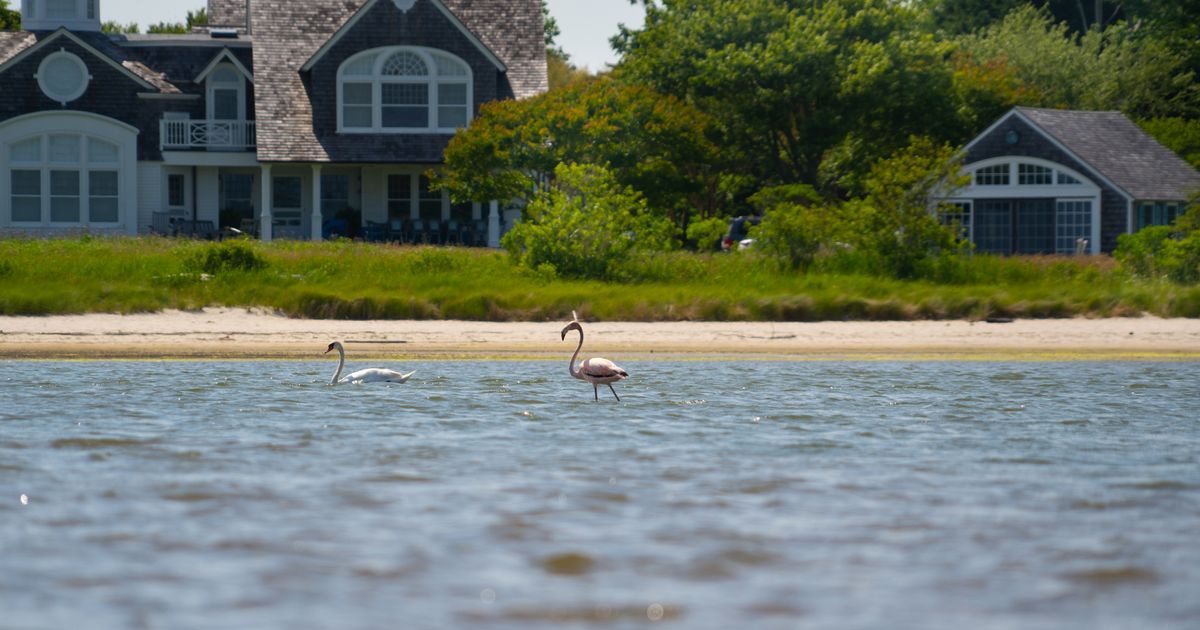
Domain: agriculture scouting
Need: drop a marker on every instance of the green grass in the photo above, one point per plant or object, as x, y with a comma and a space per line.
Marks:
347, 280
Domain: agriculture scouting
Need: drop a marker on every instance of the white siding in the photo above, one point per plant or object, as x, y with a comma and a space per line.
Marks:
149, 193
208, 194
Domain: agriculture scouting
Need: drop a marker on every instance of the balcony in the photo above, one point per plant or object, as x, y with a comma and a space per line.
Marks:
211, 135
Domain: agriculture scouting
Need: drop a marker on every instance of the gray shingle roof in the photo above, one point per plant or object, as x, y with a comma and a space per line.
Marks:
1116, 147
288, 32
13, 42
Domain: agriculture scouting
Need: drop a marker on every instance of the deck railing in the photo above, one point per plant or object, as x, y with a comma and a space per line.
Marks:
227, 135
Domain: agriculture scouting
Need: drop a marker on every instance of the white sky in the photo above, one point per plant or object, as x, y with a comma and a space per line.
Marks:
586, 25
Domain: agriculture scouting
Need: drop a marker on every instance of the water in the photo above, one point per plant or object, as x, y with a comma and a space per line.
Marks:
716, 495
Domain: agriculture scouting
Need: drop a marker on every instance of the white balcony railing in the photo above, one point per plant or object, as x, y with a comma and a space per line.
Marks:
221, 135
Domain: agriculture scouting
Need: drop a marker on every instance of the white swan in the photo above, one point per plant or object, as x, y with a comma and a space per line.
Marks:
369, 375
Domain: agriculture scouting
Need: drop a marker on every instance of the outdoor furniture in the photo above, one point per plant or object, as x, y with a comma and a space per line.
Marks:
480, 234
160, 223
195, 229
334, 228
376, 232
453, 234
435, 232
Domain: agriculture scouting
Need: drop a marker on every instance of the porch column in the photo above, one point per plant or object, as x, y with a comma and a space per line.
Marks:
316, 203
265, 211
494, 224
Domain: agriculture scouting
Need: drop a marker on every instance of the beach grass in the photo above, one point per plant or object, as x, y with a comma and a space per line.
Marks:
354, 280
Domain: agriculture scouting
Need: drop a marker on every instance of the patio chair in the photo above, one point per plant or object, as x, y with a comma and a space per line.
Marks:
375, 232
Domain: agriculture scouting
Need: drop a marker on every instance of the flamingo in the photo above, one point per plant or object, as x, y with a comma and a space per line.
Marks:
369, 375
594, 370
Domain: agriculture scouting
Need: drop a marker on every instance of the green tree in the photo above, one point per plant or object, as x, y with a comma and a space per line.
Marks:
1111, 69
802, 92
1180, 135
586, 225
9, 20
796, 226
653, 143
194, 18
968, 16
111, 26
893, 224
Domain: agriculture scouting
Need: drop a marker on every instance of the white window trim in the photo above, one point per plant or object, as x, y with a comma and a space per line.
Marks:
212, 86
1014, 190
186, 176
63, 99
83, 167
85, 124
433, 80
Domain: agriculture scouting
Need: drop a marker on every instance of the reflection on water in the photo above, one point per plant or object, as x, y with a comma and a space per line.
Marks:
716, 495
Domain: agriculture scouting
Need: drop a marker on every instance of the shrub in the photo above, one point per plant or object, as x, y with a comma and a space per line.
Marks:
214, 258
706, 234
587, 226
1161, 252
796, 225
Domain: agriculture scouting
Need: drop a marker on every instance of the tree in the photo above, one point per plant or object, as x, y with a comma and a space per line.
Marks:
960, 17
650, 142
1180, 135
1111, 69
586, 225
559, 69
9, 20
894, 224
194, 18
802, 92
796, 226
115, 27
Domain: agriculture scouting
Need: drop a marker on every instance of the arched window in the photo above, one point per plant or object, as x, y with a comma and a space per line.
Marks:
404, 90
64, 179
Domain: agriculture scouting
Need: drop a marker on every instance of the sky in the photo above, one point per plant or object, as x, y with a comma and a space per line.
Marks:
586, 25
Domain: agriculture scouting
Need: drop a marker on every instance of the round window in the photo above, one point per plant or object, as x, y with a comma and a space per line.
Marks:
62, 77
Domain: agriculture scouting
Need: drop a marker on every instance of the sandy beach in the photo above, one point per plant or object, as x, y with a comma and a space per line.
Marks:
256, 334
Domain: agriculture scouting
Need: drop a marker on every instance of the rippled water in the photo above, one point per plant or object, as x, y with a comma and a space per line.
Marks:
716, 495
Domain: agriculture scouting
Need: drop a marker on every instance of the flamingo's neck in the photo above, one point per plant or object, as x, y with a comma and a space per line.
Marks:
575, 371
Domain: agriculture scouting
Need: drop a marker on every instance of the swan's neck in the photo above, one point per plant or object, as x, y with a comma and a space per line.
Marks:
574, 370
341, 364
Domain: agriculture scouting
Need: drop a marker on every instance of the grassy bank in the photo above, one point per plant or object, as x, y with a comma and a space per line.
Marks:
346, 280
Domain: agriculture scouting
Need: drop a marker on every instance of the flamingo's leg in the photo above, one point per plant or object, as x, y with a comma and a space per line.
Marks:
596, 391
614, 392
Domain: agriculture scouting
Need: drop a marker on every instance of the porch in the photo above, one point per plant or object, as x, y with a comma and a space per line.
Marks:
378, 203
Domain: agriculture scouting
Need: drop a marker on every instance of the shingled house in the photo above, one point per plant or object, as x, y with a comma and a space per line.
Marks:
276, 119
1046, 181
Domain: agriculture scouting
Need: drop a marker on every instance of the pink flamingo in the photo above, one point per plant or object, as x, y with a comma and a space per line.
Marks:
594, 370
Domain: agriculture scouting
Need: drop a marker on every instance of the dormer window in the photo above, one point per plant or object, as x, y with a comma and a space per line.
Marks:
404, 90
225, 94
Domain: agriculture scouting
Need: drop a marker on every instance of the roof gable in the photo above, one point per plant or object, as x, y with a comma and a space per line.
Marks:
404, 5
63, 32
288, 34
1112, 146
224, 55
